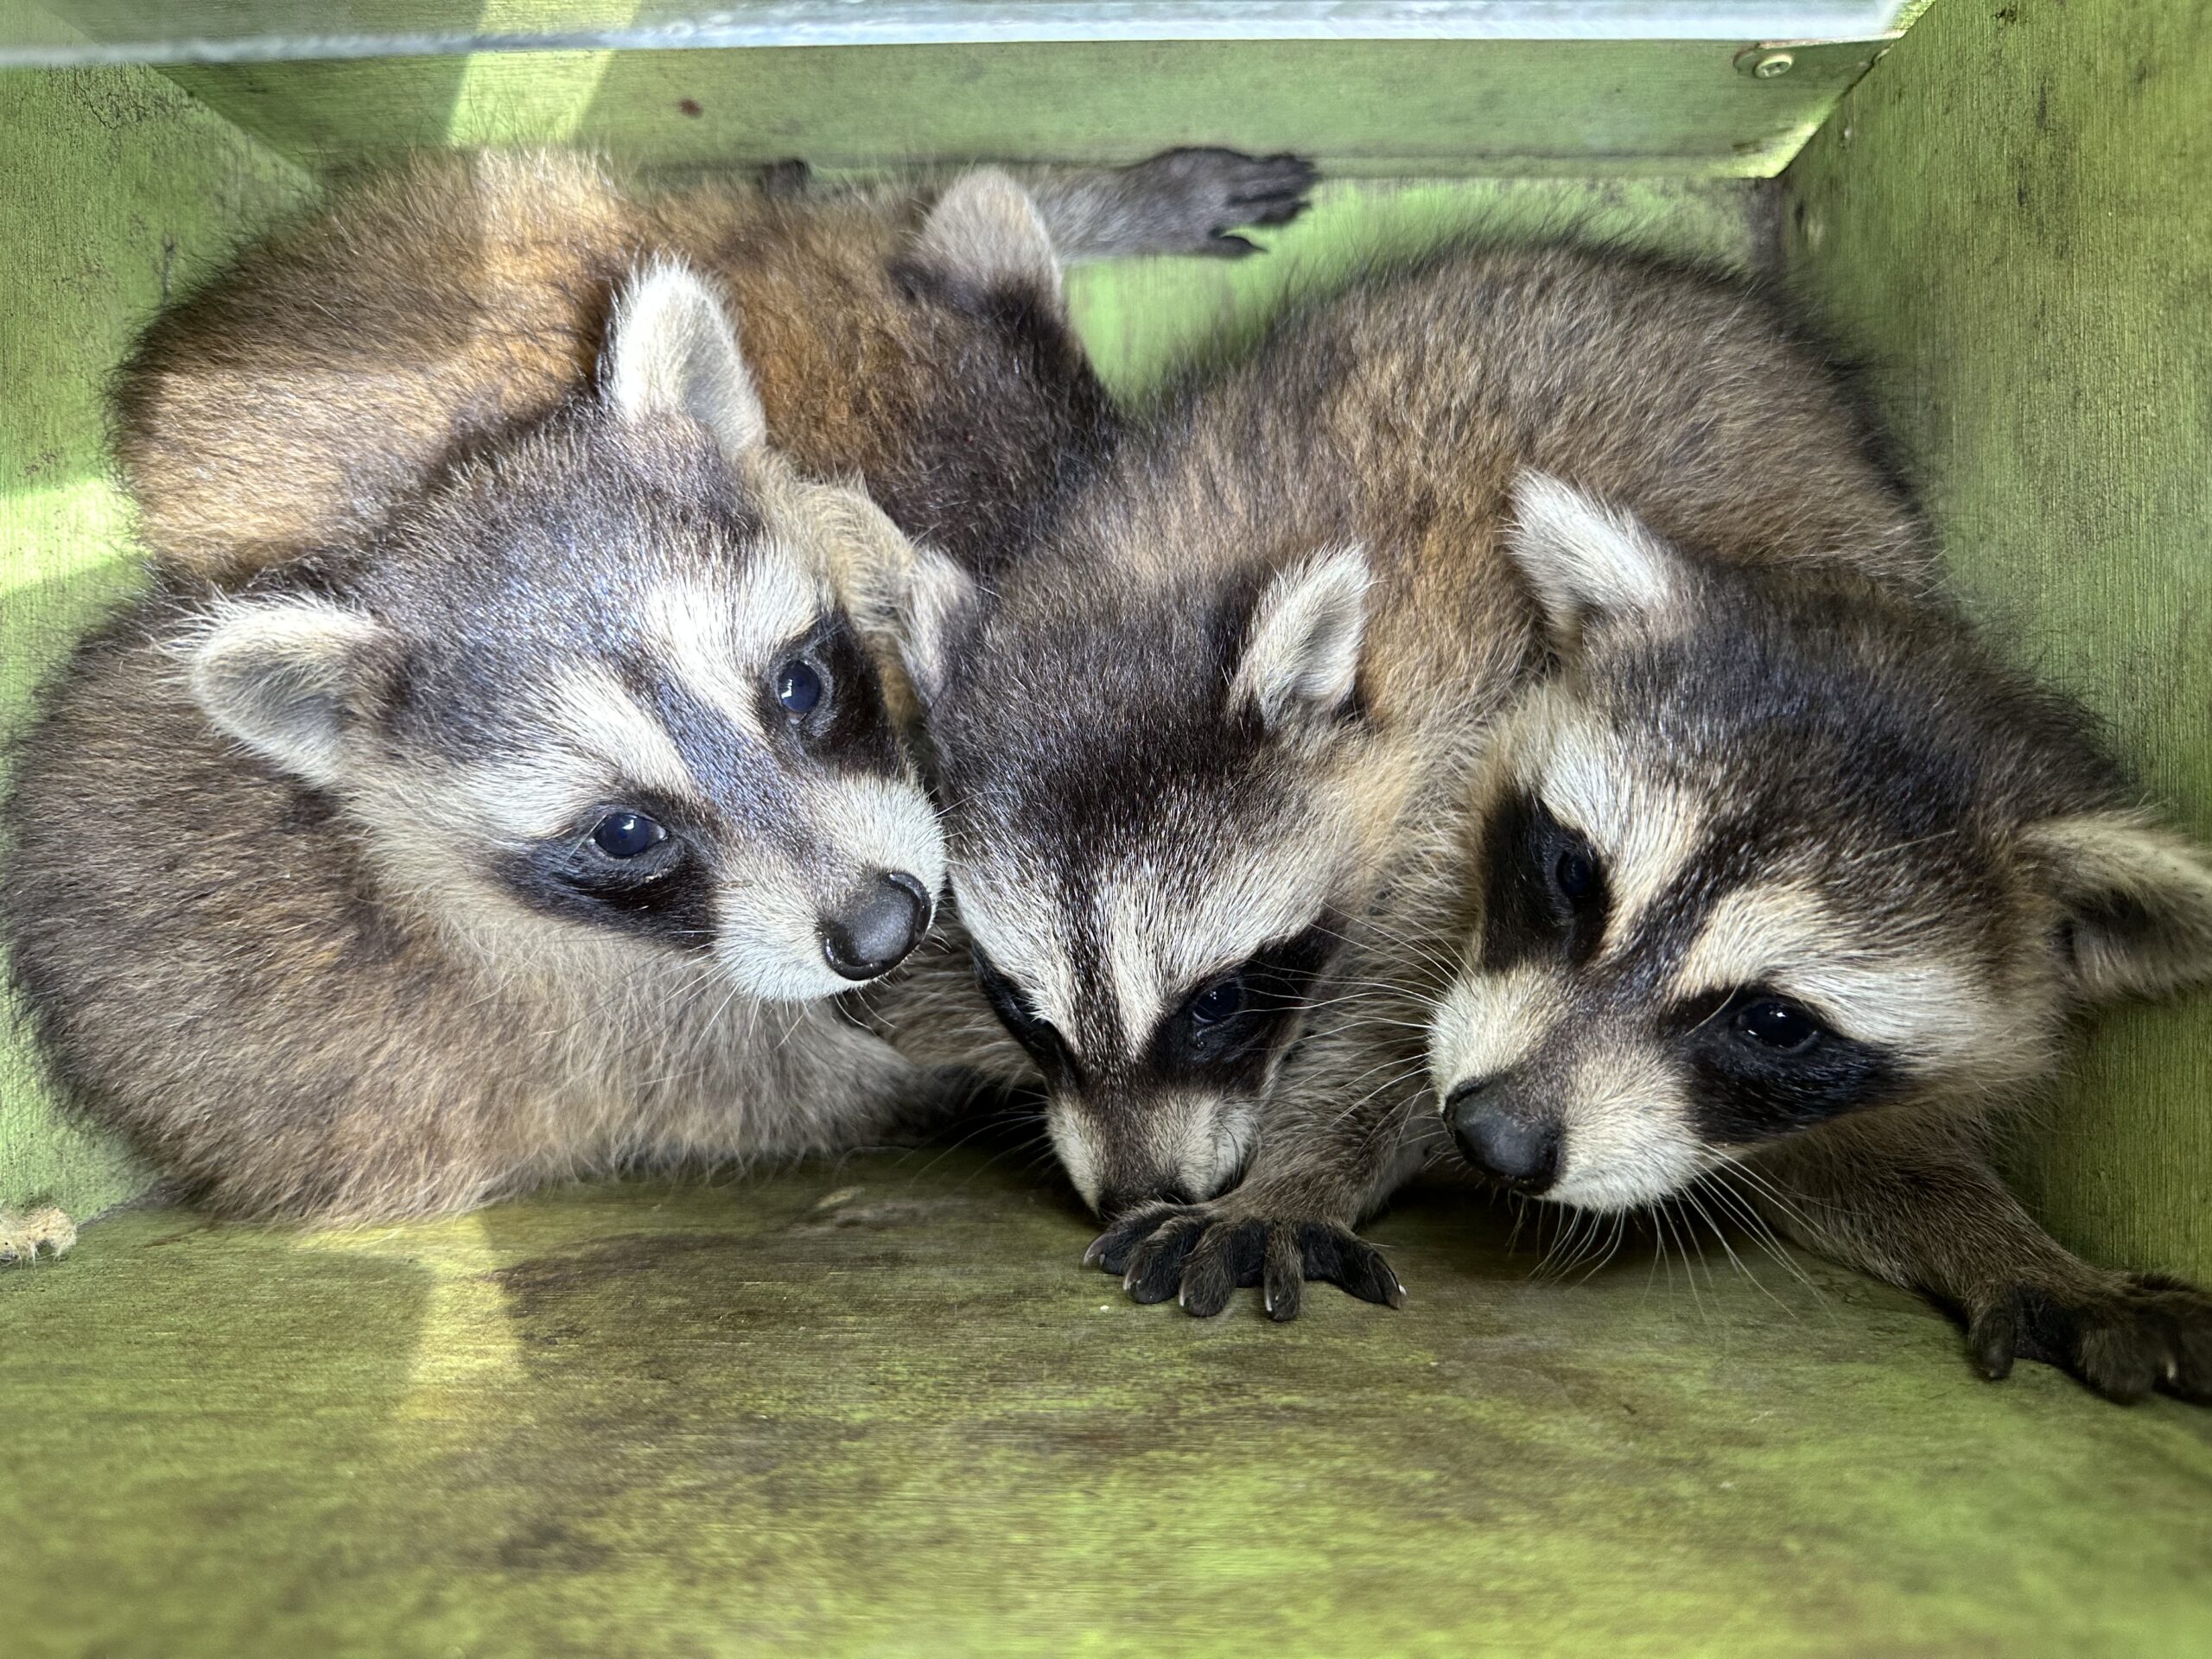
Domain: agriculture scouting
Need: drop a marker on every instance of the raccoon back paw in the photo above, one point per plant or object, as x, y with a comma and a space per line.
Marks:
2143, 1332
1196, 199
1200, 1256
46, 1230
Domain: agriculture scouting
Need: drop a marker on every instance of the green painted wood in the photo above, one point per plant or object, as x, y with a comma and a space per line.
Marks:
230, 30
2014, 213
881, 1409
116, 188
1427, 108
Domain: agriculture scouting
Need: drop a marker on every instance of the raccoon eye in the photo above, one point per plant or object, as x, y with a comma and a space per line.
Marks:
626, 834
1783, 1027
1220, 1002
1575, 874
799, 687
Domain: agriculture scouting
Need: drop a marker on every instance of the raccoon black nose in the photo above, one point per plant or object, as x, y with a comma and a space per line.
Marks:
1521, 1151
879, 928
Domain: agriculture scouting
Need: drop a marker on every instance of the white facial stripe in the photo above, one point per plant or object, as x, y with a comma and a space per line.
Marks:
1646, 831
598, 742
1783, 936
1074, 1150
1488, 1023
1159, 952
1629, 1134
719, 644
1012, 912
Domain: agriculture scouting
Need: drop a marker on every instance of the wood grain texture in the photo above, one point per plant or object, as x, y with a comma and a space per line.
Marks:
2014, 213
118, 188
881, 1409
1432, 108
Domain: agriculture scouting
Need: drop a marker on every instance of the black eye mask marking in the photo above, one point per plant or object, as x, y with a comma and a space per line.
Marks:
1545, 895
630, 864
825, 692
1038, 1036
1226, 1027
1763, 1064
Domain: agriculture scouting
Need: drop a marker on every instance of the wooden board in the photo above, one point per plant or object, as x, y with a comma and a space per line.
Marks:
881, 1409
118, 188
1425, 108
2013, 213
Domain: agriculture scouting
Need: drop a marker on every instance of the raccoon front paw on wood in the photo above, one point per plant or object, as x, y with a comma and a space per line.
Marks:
2140, 1333
1195, 201
1199, 1254
43, 1230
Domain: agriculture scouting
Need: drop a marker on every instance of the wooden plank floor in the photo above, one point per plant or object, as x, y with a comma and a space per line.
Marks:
880, 1409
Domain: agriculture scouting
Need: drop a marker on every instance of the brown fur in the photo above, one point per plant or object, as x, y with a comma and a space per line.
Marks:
1396, 417
232, 976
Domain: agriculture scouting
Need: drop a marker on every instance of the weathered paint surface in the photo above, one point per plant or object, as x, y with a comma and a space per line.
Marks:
118, 188
2013, 213
1423, 108
881, 1409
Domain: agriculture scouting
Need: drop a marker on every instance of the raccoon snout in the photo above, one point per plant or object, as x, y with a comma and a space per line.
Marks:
1519, 1149
877, 928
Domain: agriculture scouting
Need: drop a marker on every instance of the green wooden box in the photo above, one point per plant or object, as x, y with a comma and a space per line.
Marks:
877, 1408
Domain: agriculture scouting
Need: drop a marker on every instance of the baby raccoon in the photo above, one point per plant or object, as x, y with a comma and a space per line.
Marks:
913, 337
1793, 883
1196, 746
533, 837
357, 392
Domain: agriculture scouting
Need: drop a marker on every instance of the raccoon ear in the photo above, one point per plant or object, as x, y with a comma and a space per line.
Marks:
1584, 558
2137, 901
986, 230
937, 603
670, 350
1301, 653
277, 676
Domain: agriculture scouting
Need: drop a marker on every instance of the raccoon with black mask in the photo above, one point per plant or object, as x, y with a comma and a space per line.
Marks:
1201, 750
1779, 893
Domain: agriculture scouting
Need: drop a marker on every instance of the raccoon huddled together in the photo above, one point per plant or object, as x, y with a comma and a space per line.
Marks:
1506, 718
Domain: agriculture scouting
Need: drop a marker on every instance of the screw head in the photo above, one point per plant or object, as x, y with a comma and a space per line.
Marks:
1770, 64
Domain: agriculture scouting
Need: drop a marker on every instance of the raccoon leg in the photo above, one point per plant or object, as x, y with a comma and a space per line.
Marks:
1927, 1211
1181, 201
23, 1237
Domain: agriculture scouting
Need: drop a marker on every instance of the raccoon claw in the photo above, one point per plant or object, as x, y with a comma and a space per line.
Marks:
2147, 1332
1201, 1259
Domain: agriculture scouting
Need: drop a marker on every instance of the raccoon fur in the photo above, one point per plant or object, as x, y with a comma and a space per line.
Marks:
914, 337
1198, 748
533, 835
527, 624
1779, 890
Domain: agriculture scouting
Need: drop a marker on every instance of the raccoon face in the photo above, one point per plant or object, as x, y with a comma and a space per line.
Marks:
604, 685
1161, 806
1767, 851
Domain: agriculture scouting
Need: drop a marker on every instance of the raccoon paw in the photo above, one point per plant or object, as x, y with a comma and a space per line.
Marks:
46, 1228
2143, 1332
1197, 199
1199, 1256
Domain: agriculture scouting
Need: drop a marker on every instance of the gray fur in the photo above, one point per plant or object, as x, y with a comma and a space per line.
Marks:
1896, 829
298, 963
1126, 825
